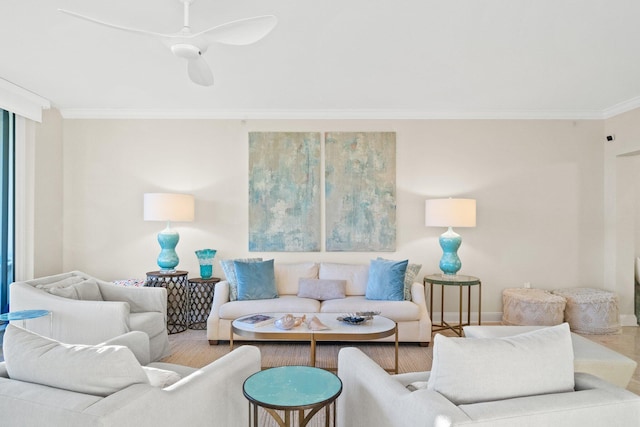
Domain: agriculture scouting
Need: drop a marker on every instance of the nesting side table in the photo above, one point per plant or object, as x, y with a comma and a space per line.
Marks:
200, 298
461, 282
177, 297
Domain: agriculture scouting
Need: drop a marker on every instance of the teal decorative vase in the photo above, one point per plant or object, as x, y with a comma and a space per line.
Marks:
168, 258
450, 241
205, 258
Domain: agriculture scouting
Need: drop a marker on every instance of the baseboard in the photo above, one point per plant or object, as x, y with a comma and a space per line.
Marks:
452, 317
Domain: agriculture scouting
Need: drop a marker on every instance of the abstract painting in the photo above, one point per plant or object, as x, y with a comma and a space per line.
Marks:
360, 191
284, 192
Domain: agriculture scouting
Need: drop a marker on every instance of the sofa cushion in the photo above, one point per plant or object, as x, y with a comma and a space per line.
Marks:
161, 377
256, 280
399, 311
87, 290
409, 278
386, 280
322, 289
288, 275
356, 275
97, 370
486, 369
284, 304
230, 274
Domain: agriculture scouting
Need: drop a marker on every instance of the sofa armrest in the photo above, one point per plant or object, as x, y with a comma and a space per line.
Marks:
371, 396
72, 321
136, 341
140, 300
211, 396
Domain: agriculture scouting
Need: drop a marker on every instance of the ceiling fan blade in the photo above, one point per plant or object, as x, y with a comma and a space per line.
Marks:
116, 26
199, 71
242, 31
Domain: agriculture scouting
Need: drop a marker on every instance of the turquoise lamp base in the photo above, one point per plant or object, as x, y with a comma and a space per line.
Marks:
450, 241
168, 259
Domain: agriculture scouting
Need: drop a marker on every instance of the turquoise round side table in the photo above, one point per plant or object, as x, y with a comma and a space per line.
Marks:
292, 389
24, 315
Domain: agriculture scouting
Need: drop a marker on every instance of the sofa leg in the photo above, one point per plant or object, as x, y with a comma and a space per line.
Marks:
213, 342
422, 344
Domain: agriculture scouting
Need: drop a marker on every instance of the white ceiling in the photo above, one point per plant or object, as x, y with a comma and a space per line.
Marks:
334, 58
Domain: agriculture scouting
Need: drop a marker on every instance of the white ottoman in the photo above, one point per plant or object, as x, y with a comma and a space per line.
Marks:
591, 311
588, 356
523, 306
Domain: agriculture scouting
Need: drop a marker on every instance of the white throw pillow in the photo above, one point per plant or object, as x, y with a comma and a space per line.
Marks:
322, 289
97, 370
288, 275
161, 377
472, 370
87, 290
356, 275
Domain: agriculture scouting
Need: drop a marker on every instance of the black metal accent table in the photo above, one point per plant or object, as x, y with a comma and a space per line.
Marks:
200, 299
177, 297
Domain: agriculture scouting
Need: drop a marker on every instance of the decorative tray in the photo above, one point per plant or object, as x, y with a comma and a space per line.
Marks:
352, 319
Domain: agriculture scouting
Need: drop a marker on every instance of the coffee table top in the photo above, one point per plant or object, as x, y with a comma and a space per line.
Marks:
378, 327
288, 387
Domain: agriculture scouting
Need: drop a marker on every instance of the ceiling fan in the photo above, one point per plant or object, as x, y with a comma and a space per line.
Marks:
191, 46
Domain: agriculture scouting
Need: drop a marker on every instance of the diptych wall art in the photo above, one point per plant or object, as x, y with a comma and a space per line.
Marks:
360, 191
284, 191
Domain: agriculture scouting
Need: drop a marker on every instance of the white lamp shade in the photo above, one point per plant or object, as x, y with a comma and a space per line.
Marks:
450, 213
168, 207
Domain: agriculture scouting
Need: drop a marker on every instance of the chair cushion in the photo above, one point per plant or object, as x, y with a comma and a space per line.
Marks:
256, 280
322, 289
87, 290
96, 370
487, 369
386, 280
356, 275
288, 275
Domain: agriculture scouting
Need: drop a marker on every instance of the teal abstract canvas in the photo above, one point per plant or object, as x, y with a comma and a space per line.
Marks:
284, 192
360, 191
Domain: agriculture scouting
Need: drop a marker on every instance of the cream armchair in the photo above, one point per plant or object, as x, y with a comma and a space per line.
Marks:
90, 311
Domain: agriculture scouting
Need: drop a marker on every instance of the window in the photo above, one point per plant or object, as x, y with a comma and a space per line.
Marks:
7, 144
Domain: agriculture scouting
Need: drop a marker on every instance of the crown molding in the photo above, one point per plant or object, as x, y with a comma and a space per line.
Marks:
621, 107
74, 113
21, 101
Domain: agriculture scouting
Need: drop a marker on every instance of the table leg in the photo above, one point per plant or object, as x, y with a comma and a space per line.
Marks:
468, 305
460, 312
479, 302
442, 304
396, 364
231, 336
312, 356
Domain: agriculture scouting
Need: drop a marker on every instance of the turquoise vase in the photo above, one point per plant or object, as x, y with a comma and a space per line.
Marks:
205, 258
168, 258
450, 241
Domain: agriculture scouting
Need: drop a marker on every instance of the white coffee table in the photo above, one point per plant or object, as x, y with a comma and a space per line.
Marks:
378, 327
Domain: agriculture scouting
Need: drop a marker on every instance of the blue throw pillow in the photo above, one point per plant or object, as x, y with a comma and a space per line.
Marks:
256, 280
230, 273
386, 280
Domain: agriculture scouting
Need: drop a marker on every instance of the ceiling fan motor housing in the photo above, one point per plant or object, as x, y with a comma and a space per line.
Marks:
186, 51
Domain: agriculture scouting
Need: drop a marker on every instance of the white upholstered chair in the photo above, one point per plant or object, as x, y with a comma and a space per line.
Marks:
86, 310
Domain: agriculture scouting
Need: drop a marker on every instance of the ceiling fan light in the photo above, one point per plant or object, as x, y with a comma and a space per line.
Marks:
186, 51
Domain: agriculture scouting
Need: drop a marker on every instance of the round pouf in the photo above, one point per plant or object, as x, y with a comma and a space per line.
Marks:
591, 311
524, 306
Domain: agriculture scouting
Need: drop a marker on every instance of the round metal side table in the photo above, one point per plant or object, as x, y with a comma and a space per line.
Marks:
461, 282
292, 389
200, 299
177, 297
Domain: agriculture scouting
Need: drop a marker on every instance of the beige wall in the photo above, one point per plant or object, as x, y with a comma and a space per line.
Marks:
539, 186
48, 186
621, 186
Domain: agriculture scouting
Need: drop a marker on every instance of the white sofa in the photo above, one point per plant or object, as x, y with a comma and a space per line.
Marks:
412, 316
209, 396
89, 310
373, 397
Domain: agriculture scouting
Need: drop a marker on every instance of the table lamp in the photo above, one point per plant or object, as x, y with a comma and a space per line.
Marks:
450, 213
168, 207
